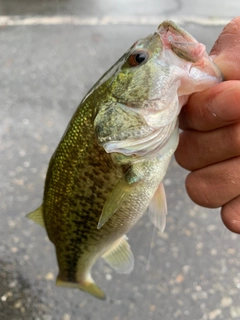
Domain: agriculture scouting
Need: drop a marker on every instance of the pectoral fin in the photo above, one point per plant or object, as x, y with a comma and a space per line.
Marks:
157, 209
119, 194
37, 216
120, 256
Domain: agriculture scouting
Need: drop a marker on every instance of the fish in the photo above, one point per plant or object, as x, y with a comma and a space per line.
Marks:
109, 166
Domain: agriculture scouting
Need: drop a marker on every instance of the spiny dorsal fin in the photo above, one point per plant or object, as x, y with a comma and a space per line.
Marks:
37, 216
120, 256
157, 209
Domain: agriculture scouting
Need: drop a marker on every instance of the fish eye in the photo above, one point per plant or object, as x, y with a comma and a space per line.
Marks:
138, 58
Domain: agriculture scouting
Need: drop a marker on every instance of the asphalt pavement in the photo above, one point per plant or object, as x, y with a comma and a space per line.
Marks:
51, 54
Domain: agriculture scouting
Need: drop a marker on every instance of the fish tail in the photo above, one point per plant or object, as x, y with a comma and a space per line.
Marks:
88, 286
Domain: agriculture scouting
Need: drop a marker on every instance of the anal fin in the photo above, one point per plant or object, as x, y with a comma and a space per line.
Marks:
120, 256
37, 216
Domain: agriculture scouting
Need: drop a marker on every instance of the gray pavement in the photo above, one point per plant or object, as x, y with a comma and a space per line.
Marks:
194, 266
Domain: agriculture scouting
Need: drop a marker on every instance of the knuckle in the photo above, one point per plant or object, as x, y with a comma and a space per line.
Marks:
235, 138
200, 190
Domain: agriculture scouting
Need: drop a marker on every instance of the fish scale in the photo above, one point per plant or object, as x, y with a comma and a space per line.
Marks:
109, 165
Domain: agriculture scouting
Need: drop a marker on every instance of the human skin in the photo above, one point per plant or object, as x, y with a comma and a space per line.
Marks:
209, 145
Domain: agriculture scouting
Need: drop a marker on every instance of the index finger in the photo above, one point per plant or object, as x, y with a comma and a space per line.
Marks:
219, 105
213, 108
225, 51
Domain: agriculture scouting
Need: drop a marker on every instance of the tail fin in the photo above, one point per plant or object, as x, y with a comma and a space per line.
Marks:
88, 286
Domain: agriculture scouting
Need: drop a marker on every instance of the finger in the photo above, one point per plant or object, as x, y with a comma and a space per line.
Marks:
215, 185
214, 108
226, 50
231, 215
200, 149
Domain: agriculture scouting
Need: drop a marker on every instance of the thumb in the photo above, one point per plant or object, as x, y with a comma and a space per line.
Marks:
225, 51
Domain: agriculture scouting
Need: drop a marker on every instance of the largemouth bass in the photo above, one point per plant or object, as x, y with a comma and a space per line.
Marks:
110, 163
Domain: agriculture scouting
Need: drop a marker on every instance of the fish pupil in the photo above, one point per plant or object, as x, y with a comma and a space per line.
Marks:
140, 57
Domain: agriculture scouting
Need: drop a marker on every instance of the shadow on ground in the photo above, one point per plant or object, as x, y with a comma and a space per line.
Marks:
18, 298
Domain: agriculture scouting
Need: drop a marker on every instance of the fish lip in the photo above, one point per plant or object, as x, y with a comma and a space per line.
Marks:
169, 25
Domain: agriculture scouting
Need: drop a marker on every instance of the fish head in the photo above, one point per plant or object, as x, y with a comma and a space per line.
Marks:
146, 89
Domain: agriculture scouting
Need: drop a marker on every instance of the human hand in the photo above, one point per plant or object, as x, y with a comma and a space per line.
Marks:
210, 142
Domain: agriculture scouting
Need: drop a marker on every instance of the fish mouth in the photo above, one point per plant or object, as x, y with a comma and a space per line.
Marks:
183, 44
187, 48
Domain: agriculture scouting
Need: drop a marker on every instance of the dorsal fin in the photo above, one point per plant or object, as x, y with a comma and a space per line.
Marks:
37, 216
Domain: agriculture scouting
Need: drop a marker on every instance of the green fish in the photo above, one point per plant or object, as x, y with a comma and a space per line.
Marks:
110, 163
